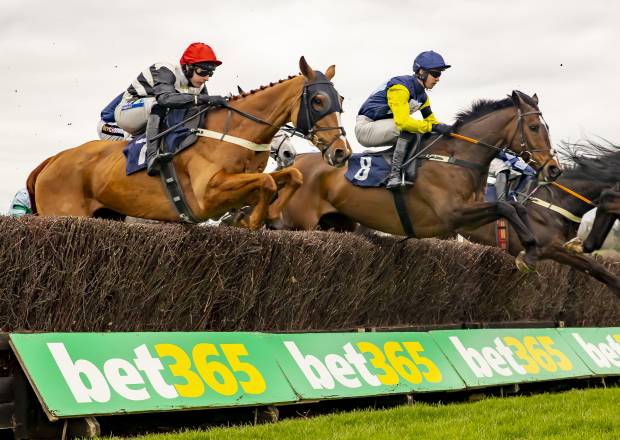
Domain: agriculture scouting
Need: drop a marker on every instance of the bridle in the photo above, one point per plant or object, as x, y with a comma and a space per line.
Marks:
527, 153
307, 116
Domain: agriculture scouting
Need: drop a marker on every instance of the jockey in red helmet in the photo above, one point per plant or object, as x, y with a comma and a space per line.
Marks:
162, 86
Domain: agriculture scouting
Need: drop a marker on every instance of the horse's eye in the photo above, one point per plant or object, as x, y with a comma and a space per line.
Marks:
316, 101
534, 127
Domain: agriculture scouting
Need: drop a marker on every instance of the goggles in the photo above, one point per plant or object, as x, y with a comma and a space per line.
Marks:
434, 73
204, 70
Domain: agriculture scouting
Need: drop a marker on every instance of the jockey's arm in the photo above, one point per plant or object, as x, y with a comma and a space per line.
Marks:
398, 101
166, 94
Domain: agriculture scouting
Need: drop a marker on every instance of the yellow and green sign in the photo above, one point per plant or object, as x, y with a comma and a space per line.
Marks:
106, 373
78, 374
599, 348
337, 365
506, 356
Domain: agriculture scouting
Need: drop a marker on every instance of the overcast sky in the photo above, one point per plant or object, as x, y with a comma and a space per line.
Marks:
63, 61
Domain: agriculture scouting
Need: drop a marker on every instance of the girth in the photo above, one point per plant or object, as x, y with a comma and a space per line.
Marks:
399, 196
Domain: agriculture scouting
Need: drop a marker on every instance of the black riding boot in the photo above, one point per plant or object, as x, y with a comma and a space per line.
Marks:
153, 156
501, 185
396, 178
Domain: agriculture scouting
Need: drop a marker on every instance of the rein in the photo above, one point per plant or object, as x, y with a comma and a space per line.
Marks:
306, 119
563, 212
573, 193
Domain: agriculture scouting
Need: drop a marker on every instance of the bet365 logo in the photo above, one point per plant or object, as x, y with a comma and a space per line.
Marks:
510, 355
207, 369
366, 363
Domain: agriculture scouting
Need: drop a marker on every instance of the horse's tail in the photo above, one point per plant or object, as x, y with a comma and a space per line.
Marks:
32, 179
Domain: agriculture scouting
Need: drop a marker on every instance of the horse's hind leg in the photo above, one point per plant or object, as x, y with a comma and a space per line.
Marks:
60, 199
482, 213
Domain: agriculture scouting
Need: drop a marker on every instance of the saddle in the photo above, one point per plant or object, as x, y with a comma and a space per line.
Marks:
371, 169
410, 165
174, 142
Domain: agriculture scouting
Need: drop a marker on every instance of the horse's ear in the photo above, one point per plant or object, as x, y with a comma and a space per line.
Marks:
330, 72
535, 98
515, 97
305, 69
240, 90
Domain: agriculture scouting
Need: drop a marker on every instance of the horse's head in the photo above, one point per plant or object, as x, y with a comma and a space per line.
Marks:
530, 136
318, 115
282, 150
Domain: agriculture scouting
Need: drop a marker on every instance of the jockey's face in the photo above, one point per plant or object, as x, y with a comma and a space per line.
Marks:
202, 73
432, 78
198, 80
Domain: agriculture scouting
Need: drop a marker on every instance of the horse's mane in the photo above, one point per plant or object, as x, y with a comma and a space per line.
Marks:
483, 107
251, 92
591, 160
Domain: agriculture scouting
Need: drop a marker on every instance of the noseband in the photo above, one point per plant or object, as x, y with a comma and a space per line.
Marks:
526, 152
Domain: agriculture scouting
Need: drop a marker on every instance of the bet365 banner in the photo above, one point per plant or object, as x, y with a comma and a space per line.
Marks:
106, 373
599, 348
506, 356
332, 365
79, 374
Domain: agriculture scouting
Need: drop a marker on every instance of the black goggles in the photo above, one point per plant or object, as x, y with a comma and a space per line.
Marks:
204, 71
434, 73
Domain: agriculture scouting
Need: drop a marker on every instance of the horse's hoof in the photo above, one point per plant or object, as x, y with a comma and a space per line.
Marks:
574, 246
275, 224
522, 265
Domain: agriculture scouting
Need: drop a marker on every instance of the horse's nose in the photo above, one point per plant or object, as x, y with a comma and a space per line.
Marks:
288, 155
553, 172
340, 157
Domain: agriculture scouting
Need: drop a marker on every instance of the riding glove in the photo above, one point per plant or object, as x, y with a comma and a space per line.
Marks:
213, 100
444, 129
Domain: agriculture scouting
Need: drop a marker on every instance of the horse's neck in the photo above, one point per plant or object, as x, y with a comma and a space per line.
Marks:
273, 104
490, 129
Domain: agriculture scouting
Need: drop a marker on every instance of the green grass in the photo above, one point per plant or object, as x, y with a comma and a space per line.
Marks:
578, 414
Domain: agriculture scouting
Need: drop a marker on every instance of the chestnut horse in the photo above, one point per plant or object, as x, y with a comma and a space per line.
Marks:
444, 198
215, 175
555, 212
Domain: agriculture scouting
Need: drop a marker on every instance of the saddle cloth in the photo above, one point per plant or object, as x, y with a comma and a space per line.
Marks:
371, 169
367, 169
174, 142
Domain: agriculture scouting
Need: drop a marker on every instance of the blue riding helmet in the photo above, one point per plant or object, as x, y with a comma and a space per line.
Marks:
429, 60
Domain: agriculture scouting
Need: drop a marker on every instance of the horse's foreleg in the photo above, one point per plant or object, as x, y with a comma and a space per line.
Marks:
238, 189
289, 179
480, 214
608, 211
583, 264
606, 215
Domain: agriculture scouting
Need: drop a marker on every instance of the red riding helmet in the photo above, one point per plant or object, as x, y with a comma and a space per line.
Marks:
199, 53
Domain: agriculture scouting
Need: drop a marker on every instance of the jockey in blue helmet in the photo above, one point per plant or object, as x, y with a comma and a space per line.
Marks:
385, 117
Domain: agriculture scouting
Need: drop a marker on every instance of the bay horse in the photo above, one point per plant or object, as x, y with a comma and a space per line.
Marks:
216, 176
555, 211
607, 208
444, 199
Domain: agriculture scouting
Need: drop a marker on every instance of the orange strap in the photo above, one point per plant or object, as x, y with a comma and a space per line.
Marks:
573, 193
464, 138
